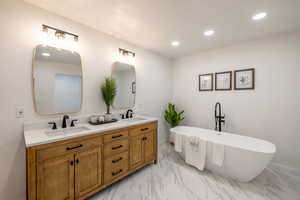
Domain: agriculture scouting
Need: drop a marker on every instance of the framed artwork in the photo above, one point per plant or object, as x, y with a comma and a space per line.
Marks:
206, 82
223, 80
244, 79
133, 87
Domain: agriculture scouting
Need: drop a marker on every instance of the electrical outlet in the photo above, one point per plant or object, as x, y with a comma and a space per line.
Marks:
20, 112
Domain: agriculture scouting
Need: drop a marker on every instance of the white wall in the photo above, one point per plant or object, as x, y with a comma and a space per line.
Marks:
19, 31
269, 112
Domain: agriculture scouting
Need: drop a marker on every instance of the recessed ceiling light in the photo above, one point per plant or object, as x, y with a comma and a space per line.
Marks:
46, 54
209, 32
175, 43
259, 16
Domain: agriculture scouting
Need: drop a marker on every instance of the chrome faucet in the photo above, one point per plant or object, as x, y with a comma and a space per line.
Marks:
219, 119
64, 122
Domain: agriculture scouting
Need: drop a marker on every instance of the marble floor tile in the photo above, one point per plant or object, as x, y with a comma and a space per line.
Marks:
172, 179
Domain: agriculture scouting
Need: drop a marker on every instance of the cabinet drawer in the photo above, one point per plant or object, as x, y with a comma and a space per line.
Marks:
116, 171
71, 147
115, 136
143, 129
115, 147
115, 161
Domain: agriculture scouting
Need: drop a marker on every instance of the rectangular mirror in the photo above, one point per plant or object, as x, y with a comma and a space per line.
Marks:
125, 77
57, 81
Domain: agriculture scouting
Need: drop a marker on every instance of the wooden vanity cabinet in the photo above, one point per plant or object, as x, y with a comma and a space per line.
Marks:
68, 171
88, 171
77, 168
55, 178
143, 145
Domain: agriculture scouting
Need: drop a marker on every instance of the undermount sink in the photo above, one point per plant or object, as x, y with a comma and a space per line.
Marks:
66, 131
135, 119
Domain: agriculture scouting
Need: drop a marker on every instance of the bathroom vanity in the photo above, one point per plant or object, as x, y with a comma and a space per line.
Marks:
74, 162
78, 165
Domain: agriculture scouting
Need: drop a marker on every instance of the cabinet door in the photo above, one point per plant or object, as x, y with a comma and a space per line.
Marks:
56, 178
88, 169
149, 146
136, 151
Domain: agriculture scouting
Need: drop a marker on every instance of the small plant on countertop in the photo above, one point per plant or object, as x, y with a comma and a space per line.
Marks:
172, 116
109, 90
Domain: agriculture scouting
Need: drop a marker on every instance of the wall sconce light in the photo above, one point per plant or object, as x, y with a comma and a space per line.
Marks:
45, 29
59, 38
126, 56
60, 35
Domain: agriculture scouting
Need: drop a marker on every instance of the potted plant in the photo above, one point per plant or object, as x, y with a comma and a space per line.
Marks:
109, 90
173, 118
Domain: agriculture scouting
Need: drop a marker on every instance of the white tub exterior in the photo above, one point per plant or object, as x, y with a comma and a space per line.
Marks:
245, 157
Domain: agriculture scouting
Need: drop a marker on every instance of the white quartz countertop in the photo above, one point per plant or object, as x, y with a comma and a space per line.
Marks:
34, 137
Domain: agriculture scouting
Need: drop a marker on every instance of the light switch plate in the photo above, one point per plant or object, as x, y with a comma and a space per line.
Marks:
20, 112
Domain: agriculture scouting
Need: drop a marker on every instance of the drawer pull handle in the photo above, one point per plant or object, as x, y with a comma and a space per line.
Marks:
118, 147
144, 129
71, 148
144, 138
116, 173
116, 136
117, 160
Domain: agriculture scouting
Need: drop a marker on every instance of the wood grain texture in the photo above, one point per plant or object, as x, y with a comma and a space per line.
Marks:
63, 149
113, 161
143, 129
31, 173
55, 178
115, 147
49, 166
117, 170
149, 146
115, 136
136, 151
88, 171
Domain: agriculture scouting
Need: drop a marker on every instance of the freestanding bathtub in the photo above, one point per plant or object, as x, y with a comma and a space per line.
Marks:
245, 157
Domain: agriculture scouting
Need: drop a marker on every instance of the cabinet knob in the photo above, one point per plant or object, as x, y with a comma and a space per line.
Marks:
72, 162
77, 161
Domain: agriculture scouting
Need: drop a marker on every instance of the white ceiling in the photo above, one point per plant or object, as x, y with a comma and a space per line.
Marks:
154, 24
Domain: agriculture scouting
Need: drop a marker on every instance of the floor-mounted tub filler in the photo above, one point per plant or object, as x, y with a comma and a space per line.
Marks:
244, 157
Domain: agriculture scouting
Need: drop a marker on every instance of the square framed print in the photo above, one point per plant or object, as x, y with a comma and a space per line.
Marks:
206, 82
223, 80
244, 79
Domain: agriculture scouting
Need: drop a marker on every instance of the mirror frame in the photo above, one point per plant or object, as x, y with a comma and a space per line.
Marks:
134, 101
33, 84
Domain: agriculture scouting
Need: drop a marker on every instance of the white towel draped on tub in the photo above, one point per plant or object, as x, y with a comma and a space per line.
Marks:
178, 142
195, 152
218, 154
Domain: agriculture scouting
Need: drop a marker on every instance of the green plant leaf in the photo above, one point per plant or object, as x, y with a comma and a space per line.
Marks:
109, 90
172, 116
